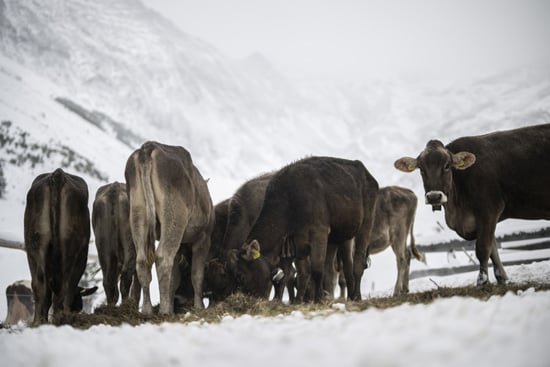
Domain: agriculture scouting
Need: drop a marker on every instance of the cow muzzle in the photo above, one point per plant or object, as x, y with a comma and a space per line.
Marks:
436, 199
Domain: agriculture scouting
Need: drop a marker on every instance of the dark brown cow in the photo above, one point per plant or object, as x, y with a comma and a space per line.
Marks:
169, 201
20, 302
482, 180
393, 223
311, 207
113, 239
57, 233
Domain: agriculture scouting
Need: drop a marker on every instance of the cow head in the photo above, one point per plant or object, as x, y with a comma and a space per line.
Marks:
252, 271
436, 164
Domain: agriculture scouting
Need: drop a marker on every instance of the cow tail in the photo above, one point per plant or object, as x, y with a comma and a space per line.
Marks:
56, 184
57, 180
415, 251
149, 198
114, 222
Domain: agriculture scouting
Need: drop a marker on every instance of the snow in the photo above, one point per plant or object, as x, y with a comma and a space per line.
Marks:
507, 330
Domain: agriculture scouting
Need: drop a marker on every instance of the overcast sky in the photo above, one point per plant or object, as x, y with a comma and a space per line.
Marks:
357, 38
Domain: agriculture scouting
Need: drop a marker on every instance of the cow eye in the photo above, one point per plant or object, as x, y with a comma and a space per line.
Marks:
446, 167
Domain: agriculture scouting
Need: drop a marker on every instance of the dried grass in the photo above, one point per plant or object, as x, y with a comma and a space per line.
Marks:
240, 304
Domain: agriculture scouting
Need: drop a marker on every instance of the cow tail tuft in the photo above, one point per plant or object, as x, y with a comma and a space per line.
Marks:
415, 251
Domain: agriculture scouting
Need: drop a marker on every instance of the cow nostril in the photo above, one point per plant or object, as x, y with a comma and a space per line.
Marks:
434, 197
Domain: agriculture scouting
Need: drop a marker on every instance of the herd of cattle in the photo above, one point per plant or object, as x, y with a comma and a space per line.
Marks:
302, 227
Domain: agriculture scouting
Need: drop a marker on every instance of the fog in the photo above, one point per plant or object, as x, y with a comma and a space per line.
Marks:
425, 39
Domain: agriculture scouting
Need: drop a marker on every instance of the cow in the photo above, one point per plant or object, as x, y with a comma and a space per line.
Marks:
482, 180
393, 223
20, 302
113, 239
170, 202
57, 233
312, 207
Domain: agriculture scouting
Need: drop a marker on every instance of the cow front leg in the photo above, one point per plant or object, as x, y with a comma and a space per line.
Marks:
331, 273
484, 247
359, 262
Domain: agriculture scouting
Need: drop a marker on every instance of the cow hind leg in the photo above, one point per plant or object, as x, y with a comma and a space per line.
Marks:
110, 279
127, 271
318, 259
403, 259
143, 270
303, 276
498, 269
165, 256
42, 298
200, 253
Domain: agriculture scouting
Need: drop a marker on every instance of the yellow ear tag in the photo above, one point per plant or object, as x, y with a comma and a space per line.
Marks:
460, 163
255, 254
410, 167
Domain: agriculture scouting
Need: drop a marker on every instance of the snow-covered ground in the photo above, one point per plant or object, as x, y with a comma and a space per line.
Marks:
503, 331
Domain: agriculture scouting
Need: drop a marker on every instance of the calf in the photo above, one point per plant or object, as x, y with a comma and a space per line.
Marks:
482, 180
169, 201
113, 239
393, 222
20, 302
57, 232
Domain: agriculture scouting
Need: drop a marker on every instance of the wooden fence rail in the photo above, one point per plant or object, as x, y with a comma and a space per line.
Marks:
538, 240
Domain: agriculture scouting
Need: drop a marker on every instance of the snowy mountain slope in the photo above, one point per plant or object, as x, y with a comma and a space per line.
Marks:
39, 135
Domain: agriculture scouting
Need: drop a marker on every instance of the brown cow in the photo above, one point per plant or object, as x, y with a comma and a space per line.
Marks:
311, 207
169, 201
482, 180
393, 222
57, 233
20, 302
113, 239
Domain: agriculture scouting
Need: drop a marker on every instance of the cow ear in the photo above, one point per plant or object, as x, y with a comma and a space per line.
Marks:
253, 250
463, 160
406, 164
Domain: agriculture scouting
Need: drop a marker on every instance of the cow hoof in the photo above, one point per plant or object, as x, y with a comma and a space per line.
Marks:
502, 281
501, 277
482, 279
